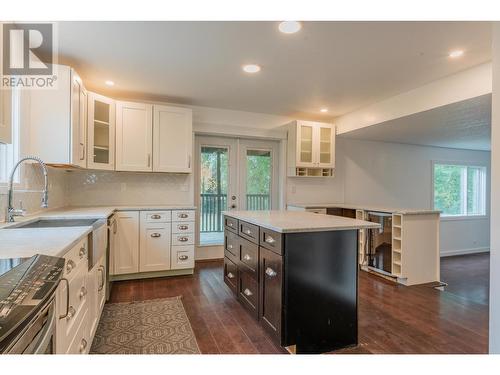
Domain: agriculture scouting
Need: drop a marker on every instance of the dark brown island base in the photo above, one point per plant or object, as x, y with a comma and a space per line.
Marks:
297, 273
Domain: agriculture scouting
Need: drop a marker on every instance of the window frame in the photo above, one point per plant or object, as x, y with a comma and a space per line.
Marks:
445, 217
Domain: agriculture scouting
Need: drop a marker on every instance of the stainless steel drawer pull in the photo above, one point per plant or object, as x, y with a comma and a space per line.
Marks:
71, 313
230, 275
182, 216
247, 292
183, 227
270, 272
270, 240
248, 231
82, 252
70, 266
183, 257
83, 345
183, 239
156, 216
155, 235
247, 257
83, 292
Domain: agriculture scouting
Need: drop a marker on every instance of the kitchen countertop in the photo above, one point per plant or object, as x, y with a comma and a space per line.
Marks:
299, 221
26, 242
402, 211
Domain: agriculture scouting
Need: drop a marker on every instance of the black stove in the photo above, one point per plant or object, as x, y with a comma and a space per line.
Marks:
26, 285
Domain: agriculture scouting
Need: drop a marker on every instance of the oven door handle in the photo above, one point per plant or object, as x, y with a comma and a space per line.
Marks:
44, 342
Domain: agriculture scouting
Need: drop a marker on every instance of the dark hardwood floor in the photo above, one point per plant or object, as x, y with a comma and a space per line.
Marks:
392, 318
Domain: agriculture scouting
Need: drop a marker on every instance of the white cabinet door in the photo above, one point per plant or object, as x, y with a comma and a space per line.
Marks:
5, 116
134, 132
305, 156
92, 301
78, 155
101, 132
126, 243
172, 139
154, 246
325, 145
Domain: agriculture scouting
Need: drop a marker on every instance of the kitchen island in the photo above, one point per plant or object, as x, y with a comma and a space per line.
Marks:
297, 273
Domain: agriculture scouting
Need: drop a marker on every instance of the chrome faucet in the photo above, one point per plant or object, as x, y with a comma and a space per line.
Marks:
11, 211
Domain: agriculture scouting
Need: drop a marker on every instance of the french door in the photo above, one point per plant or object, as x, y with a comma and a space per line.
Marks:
233, 174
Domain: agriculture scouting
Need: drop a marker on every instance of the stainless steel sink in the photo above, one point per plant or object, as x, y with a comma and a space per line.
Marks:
54, 223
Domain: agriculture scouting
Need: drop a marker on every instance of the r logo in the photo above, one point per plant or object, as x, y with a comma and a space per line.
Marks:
28, 49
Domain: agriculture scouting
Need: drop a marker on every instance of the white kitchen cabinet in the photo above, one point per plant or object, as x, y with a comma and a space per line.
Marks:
172, 139
58, 121
96, 286
6, 116
134, 137
311, 149
101, 132
155, 240
126, 243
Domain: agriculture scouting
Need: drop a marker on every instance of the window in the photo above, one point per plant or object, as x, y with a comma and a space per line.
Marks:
460, 190
9, 153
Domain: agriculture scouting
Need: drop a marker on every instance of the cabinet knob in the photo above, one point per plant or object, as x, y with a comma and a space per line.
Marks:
182, 216
82, 252
270, 240
70, 265
83, 345
229, 246
229, 224
247, 257
183, 227
155, 216
71, 313
83, 292
248, 231
247, 292
270, 272
155, 235
183, 239
230, 275
183, 257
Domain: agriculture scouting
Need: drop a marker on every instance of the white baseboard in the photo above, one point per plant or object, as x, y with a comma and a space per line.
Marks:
209, 252
449, 253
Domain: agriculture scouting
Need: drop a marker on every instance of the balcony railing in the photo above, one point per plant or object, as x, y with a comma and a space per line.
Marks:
212, 206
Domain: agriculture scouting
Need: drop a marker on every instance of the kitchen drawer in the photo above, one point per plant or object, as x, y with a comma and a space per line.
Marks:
156, 216
182, 257
248, 292
183, 227
271, 240
249, 257
76, 306
248, 231
77, 255
232, 244
81, 342
231, 274
182, 239
183, 215
231, 224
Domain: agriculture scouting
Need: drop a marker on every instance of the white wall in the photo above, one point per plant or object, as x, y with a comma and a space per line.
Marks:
495, 198
395, 175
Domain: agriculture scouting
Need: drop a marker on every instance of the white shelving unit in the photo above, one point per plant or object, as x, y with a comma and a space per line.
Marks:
397, 249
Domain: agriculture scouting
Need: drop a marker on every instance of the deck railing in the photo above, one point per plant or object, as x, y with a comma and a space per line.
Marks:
212, 206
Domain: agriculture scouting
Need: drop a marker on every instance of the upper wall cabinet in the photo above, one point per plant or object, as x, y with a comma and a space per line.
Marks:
311, 149
134, 137
101, 132
58, 121
172, 139
5, 116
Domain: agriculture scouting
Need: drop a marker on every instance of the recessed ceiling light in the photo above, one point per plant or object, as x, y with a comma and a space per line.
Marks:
251, 68
323, 110
109, 83
289, 27
456, 53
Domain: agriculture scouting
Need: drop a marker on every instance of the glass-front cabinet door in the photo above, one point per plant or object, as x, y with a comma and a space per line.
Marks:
305, 151
101, 132
326, 146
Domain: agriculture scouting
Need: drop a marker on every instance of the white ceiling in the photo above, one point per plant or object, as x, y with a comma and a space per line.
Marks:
339, 65
463, 125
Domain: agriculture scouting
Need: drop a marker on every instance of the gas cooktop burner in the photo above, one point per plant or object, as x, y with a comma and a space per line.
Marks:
25, 288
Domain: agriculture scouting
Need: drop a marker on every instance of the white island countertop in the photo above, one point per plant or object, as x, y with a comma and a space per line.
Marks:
394, 210
299, 222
